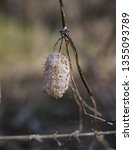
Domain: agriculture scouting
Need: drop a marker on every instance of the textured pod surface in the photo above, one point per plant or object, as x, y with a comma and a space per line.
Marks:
56, 74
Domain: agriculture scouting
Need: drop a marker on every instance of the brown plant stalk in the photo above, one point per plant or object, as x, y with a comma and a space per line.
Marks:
40, 138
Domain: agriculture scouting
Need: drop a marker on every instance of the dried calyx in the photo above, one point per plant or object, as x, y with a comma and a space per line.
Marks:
56, 74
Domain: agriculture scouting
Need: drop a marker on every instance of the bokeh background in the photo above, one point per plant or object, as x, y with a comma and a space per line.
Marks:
28, 31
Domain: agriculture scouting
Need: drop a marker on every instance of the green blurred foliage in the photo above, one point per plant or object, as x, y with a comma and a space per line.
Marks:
15, 41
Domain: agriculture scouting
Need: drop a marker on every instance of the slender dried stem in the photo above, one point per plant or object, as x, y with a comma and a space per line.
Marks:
81, 103
40, 138
96, 117
62, 14
66, 34
81, 73
75, 96
57, 43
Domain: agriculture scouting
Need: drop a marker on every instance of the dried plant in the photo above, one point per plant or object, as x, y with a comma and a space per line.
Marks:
58, 77
59, 72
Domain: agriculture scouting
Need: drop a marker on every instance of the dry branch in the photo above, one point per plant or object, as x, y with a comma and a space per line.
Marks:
40, 138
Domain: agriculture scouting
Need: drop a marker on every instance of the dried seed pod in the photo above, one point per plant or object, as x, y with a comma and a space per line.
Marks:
56, 74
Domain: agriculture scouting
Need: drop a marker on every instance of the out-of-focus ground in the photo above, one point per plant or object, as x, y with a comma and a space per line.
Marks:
28, 32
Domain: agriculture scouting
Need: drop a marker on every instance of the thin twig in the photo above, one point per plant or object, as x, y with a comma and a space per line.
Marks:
81, 73
66, 34
60, 44
62, 14
57, 43
96, 117
40, 138
85, 105
74, 88
81, 103
75, 96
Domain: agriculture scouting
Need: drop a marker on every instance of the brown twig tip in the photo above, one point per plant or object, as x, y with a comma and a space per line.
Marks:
62, 14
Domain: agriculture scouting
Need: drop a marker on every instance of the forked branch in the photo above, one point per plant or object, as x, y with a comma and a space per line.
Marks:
66, 36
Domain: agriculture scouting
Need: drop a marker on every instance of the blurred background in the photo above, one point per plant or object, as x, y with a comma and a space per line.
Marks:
28, 31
